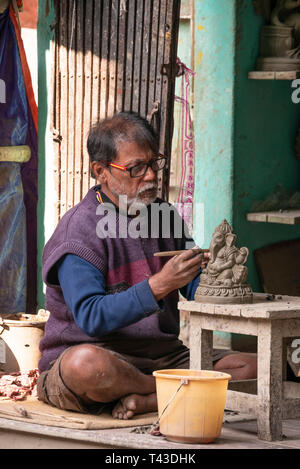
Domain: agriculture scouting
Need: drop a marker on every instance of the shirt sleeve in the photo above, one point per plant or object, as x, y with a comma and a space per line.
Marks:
189, 290
96, 312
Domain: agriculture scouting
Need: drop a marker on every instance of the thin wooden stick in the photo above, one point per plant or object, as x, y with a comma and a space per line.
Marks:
176, 253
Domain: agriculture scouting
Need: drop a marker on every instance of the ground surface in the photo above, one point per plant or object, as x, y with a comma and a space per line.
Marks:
239, 432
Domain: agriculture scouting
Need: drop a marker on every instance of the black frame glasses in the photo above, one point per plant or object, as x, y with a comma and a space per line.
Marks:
140, 169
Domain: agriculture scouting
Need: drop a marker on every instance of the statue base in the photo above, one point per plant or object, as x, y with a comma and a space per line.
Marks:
275, 44
218, 294
277, 64
275, 41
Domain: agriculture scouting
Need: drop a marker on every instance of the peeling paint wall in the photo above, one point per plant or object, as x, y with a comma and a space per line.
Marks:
213, 113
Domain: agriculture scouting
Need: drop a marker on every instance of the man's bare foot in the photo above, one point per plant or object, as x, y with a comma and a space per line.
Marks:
133, 404
239, 365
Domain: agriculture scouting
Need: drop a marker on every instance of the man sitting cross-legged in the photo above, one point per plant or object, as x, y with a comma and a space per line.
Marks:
113, 304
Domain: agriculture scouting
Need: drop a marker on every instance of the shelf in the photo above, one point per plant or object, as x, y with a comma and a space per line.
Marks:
286, 217
273, 75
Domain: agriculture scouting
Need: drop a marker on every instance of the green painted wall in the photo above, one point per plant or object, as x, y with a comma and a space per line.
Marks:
244, 129
44, 35
213, 114
214, 54
265, 127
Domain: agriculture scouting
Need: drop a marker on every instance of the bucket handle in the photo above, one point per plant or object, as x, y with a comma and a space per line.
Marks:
3, 325
182, 383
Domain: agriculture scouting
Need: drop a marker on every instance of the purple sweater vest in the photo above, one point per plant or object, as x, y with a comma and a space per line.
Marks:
123, 262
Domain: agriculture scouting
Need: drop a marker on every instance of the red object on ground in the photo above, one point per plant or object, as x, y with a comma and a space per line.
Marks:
19, 384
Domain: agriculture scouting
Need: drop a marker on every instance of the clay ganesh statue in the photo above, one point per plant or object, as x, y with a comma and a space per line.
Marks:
224, 278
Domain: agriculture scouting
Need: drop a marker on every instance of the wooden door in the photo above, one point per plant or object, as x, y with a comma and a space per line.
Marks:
109, 56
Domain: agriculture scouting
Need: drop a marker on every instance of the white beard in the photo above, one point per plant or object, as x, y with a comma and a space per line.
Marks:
139, 202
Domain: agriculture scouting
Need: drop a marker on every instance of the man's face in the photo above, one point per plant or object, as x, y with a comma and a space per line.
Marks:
139, 189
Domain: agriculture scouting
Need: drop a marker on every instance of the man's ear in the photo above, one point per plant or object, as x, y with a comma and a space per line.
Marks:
99, 171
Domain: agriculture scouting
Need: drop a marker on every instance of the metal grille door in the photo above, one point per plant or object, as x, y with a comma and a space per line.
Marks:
109, 56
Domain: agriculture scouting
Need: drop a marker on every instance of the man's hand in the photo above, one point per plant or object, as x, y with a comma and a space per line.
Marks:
176, 273
206, 258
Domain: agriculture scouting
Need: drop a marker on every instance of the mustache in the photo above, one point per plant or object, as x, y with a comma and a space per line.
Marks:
149, 186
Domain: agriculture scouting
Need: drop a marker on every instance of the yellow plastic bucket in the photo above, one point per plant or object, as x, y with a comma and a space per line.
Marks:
191, 404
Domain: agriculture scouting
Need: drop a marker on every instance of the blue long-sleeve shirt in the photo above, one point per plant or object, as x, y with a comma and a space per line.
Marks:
98, 313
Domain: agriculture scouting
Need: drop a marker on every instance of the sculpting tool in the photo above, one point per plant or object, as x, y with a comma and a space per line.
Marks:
176, 253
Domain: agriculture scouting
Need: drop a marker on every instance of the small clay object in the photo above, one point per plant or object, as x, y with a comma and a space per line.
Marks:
280, 37
224, 278
270, 297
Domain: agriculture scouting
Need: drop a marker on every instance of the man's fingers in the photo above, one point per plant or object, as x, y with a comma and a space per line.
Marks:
186, 265
192, 270
195, 269
190, 253
195, 260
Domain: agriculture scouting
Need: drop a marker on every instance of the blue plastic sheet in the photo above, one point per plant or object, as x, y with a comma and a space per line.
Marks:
13, 113
12, 240
13, 132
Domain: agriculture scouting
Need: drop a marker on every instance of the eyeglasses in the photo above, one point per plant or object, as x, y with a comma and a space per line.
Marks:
140, 169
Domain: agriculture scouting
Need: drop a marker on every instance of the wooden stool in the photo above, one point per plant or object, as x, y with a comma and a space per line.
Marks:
274, 323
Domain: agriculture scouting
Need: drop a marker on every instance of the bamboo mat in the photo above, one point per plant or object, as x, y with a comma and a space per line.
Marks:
32, 410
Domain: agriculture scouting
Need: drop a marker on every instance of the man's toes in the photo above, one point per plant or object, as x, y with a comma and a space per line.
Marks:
125, 409
117, 411
129, 414
129, 403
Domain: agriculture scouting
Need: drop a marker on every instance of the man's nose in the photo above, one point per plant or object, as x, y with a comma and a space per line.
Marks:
150, 175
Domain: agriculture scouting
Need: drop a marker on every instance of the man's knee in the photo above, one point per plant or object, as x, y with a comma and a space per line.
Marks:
82, 363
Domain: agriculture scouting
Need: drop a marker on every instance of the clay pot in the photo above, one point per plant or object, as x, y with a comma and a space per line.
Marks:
275, 41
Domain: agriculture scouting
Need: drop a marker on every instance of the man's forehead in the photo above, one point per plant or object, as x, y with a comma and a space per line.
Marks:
132, 153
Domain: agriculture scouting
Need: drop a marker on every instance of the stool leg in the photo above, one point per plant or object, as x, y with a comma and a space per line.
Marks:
269, 382
201, 345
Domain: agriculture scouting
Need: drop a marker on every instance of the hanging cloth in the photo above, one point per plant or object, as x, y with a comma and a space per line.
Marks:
18, 181
185, 194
